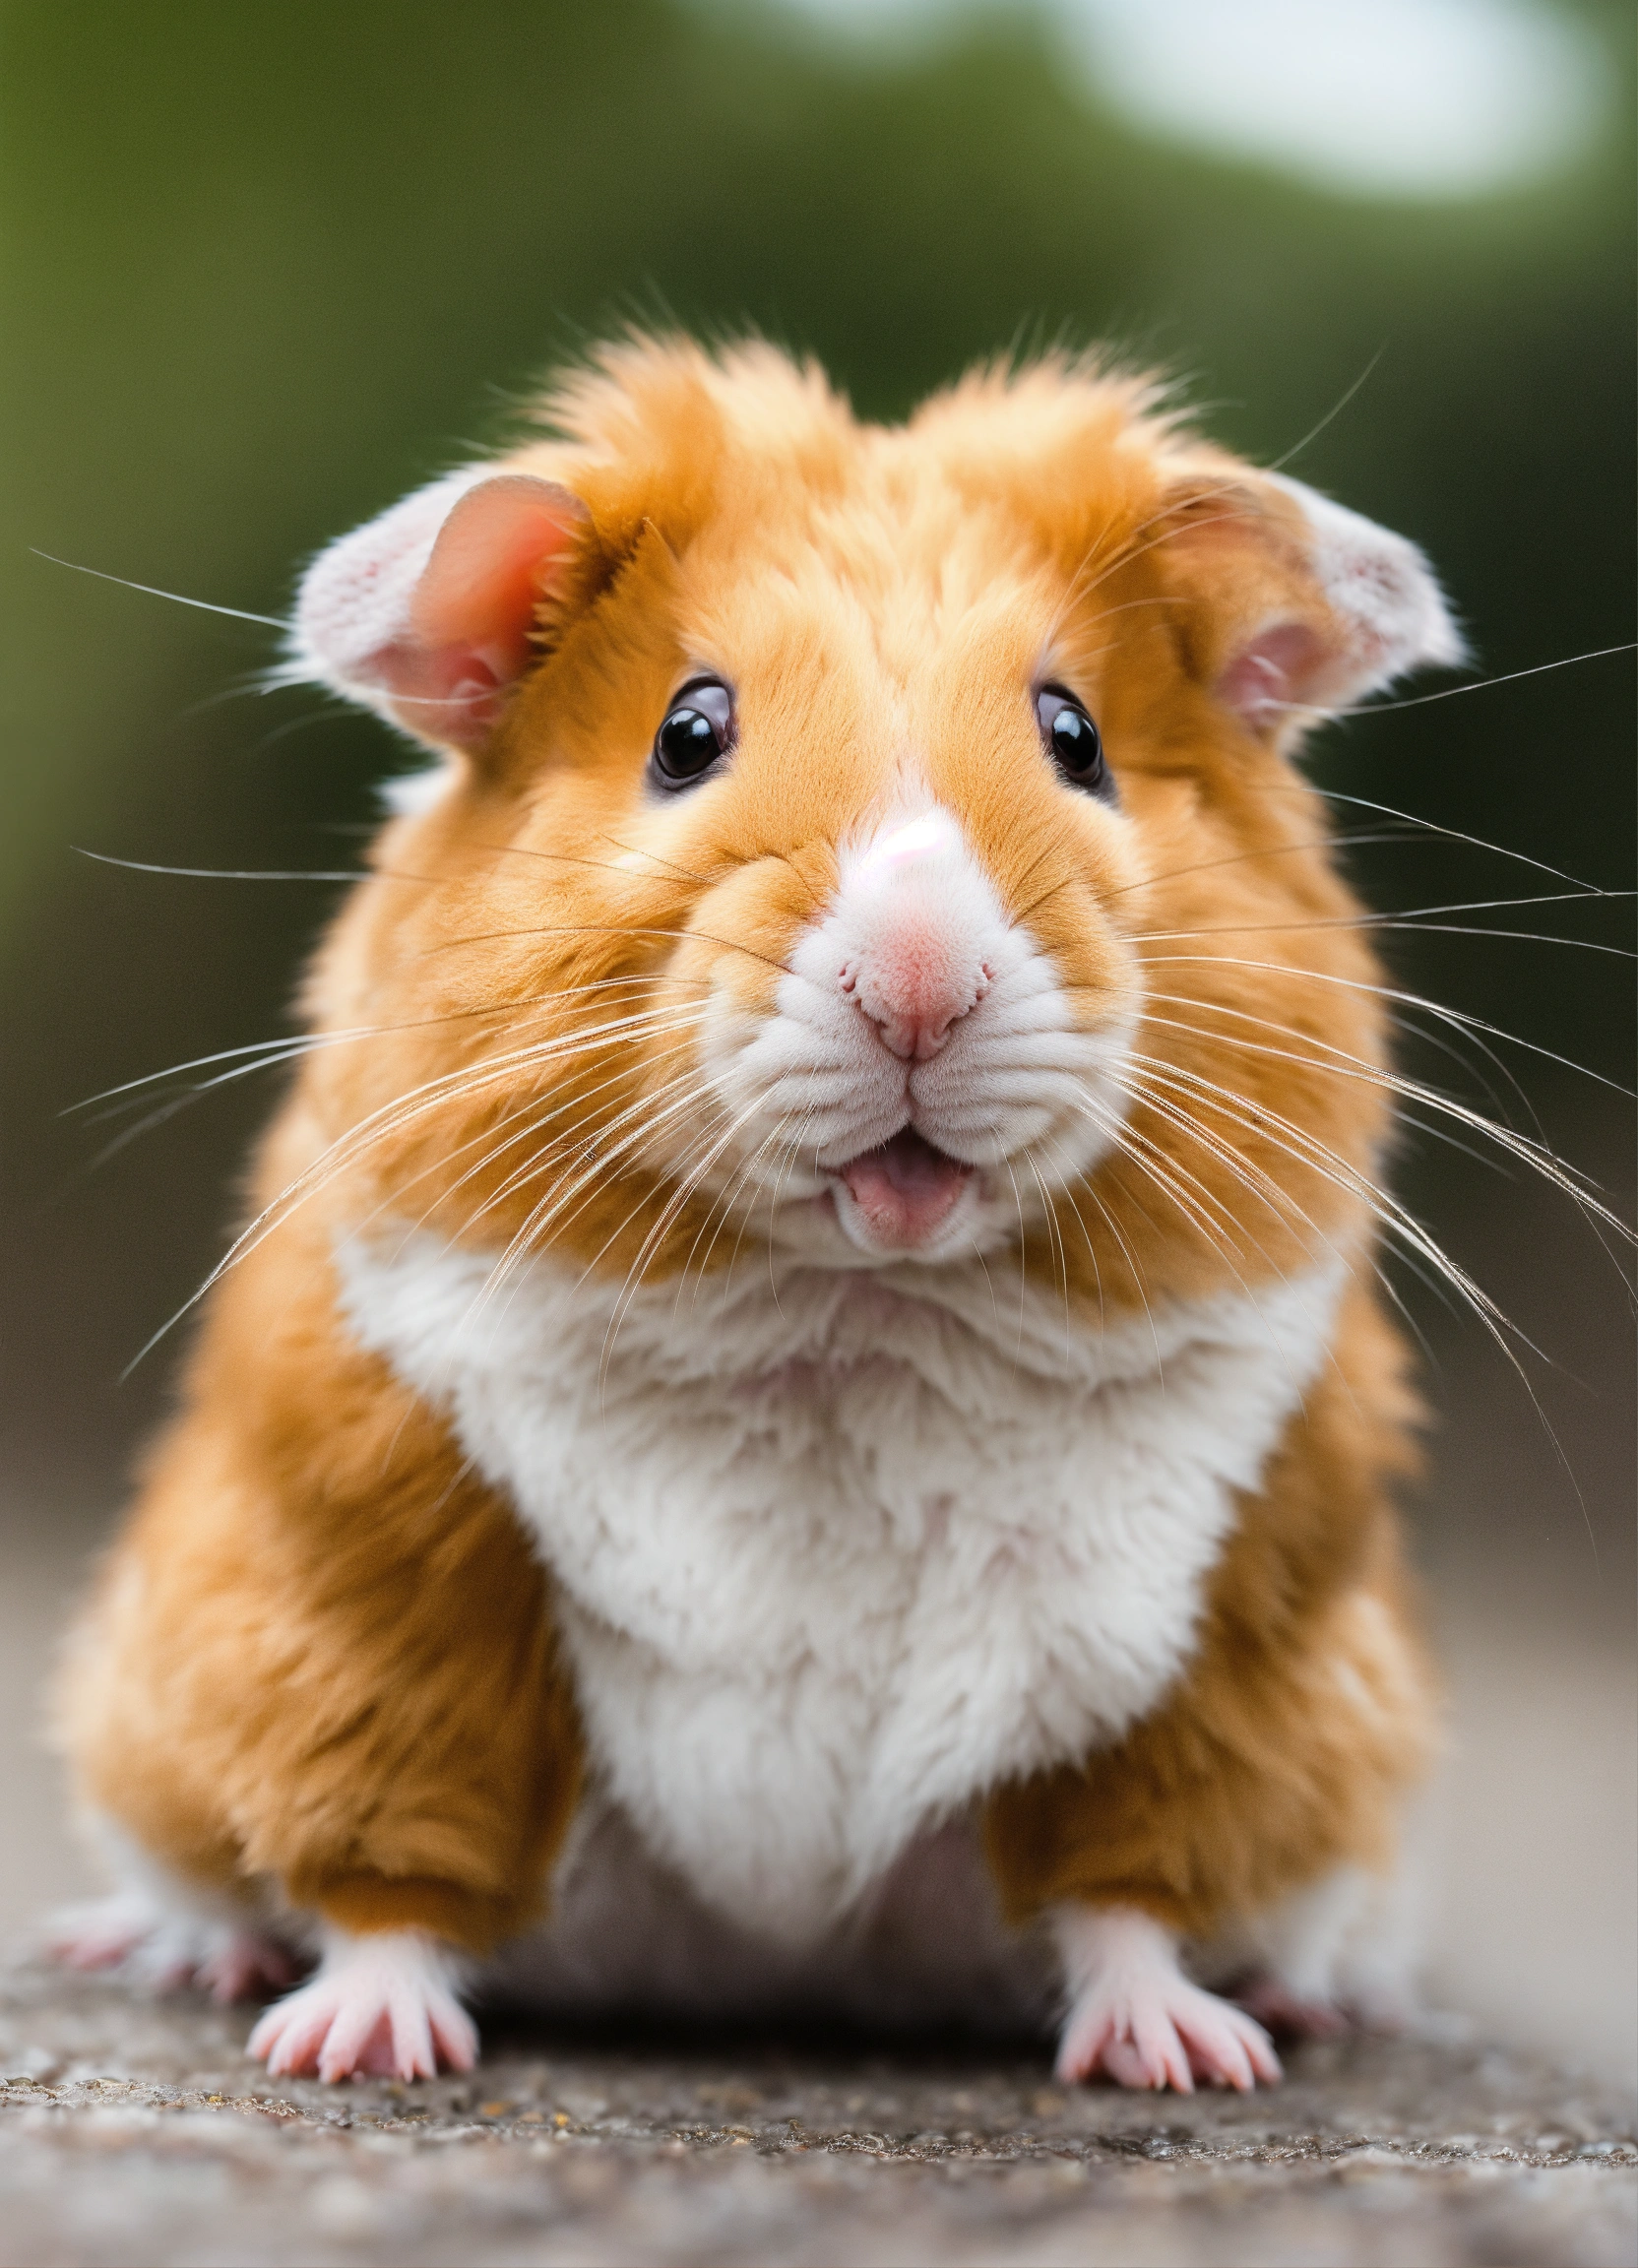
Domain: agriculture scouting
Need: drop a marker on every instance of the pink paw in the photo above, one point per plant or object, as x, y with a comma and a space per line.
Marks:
381, 2005
100, 1934
246, 1968
1278, 2009
1137, 2017
165, 1949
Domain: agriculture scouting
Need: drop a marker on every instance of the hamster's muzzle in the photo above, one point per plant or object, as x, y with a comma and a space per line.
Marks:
923, 1065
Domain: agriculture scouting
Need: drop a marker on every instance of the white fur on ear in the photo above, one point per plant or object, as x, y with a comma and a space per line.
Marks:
1386, 602
425, 613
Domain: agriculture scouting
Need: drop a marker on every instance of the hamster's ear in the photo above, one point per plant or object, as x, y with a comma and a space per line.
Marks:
426, 613
1301, 606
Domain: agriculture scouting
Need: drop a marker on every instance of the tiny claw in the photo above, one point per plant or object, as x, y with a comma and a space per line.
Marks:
1138, 2018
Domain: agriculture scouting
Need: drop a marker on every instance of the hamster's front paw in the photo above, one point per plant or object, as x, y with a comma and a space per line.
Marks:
101, 1933
1137, 2017
164, 1951
382, 2005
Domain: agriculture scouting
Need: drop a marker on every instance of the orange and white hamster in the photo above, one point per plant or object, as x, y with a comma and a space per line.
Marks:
803, 1417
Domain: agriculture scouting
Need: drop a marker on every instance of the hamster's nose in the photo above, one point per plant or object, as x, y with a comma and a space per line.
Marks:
914, 983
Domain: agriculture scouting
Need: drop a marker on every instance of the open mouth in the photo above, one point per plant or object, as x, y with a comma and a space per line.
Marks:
905, 1190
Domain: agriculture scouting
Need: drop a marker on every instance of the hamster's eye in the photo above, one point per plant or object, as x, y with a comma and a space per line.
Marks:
1072, 742
698, 728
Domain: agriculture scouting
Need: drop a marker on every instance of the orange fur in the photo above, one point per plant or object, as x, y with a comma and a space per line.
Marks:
321, 1658
319, 1668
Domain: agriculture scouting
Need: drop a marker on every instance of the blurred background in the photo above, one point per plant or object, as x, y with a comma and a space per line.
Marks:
265, 267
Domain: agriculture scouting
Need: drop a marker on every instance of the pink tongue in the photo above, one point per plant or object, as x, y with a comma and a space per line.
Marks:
905, 1188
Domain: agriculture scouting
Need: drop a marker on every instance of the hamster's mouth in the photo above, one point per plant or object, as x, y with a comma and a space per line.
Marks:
905, 1190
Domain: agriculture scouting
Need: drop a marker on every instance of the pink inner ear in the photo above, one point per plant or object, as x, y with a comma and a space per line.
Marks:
1281, 668
474, 605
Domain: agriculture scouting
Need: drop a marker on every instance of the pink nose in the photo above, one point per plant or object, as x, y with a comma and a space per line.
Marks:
914, 985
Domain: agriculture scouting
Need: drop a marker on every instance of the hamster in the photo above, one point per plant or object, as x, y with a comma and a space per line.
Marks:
803, 1418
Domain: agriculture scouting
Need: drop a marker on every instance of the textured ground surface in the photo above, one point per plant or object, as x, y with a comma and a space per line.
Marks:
133, 2132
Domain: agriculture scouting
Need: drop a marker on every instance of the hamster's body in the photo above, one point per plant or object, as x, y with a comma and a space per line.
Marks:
804, 1419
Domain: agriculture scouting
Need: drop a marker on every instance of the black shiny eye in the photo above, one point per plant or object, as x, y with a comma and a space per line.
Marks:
1072, 742
698, 728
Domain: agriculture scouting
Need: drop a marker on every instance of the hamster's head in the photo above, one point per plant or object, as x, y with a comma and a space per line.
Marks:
879, 844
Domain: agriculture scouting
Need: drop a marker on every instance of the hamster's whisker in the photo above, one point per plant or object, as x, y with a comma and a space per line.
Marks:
378, 1125
1133, 1267
235, 873
1023, 1253
605, 930
1342, 840
669, 1212
685, 1189
723, 1205
267, 1056
1129, 548
1307, 789
1457, 1017
1067, 1194
1169, 1175
1154, 1085
793, 1146
1265, 1189
1341, 1065
1060, 1259
532, 1233
1404, 916
584, 1157
1478, 685
1411, 1235
686, 873
540, 1161
171, 1107
291, 1042
1167, 1172
1415, 926
717, 1216
716, 1220
301, 1041
1336, 410
152, 590
574, 858
392, 1197
578, 1149
585, 1177
1260, 1184
1363, 1066
1305, 1148
1227, 1244
1536, 1155
1133, 550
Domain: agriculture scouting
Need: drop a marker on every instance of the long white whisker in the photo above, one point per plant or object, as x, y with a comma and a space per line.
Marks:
377, 1125
149, 590
1403, 915
1449, 692
1341, 1065
1307, 789
1457, 1017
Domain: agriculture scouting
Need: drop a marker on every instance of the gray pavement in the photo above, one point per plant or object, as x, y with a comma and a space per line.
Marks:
135, 2131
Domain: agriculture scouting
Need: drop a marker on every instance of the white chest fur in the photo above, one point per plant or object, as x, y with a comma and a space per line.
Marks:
832, 1563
